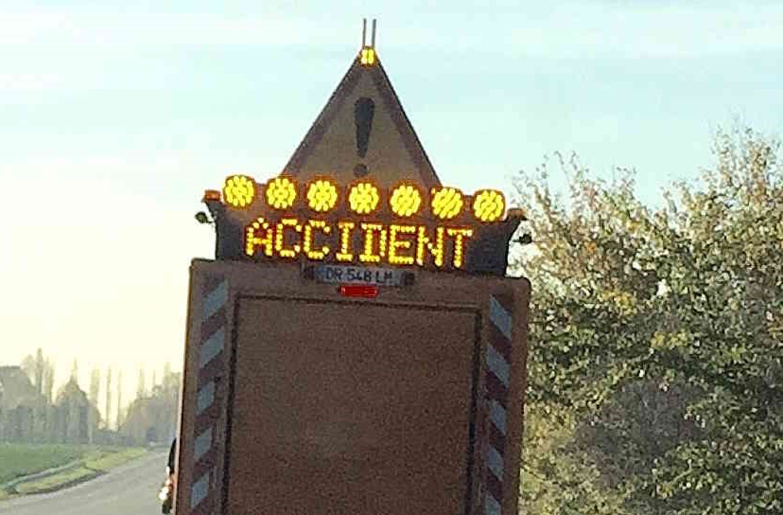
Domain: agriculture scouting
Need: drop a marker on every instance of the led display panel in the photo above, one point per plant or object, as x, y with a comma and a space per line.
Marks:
362, 224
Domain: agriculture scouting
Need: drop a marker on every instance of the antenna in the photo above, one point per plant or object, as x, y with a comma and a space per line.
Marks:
367, 54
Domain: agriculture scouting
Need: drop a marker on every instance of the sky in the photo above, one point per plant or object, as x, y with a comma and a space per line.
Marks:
115, 116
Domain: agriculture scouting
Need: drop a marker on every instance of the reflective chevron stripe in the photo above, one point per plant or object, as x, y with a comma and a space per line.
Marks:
211, 351
498, 377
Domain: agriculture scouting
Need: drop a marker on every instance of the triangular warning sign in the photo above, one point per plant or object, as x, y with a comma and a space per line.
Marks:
363, 132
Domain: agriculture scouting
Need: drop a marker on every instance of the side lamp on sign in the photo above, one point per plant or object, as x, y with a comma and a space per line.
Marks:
212, 198
525, 235
204, 219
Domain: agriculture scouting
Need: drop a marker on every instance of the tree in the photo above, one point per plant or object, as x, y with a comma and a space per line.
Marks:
35, 368
75, 372
48, 381
95, 386
154, 417
107, 415
141, 385
40, 367
119, 399
656, 370
94, 400
40, 371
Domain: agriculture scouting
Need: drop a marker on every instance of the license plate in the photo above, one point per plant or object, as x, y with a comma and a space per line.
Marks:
343, 274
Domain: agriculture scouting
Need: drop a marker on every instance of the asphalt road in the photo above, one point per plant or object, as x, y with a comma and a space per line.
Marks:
128, 490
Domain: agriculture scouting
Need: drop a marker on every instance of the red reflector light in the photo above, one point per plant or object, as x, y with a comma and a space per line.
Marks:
358, 290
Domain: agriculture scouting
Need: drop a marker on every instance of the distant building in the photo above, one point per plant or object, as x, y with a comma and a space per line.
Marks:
74, 415
17, 390
22, 407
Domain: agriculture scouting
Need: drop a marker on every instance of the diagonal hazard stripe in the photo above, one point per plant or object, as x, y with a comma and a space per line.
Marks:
215, 300
202, 445
498, 378
496, 439
199, 490
212, 347
491, 505
205, 397
500, 317
496, 389
495, 463
497, 364
213, 323
497, 414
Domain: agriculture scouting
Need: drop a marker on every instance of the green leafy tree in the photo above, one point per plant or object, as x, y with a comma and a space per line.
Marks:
656, 368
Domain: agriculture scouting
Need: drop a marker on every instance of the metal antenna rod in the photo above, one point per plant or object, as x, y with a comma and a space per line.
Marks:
372, 44
364, 32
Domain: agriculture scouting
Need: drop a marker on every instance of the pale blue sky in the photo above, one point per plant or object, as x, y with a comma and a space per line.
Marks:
115, 116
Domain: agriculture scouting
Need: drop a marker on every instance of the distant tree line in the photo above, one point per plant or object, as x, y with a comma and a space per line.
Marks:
31, 412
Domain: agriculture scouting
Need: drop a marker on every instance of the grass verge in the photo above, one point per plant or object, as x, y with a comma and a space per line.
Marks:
17, 460
105, 460
57, 481
92, 462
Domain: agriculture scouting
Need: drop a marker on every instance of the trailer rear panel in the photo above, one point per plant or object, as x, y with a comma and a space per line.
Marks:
298, 399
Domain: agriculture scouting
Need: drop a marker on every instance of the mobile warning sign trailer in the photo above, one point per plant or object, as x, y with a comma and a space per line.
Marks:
355, 346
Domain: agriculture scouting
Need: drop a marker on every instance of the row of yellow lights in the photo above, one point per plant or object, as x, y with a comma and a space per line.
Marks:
240, 191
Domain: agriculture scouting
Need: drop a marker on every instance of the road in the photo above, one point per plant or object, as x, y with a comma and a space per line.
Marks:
128, 490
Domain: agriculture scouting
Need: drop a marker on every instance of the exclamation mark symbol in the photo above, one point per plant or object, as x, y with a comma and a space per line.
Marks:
363, 111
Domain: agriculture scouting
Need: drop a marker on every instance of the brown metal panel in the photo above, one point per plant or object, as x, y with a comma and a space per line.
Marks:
362, 409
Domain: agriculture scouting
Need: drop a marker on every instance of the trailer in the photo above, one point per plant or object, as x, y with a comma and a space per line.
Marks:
355, 346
